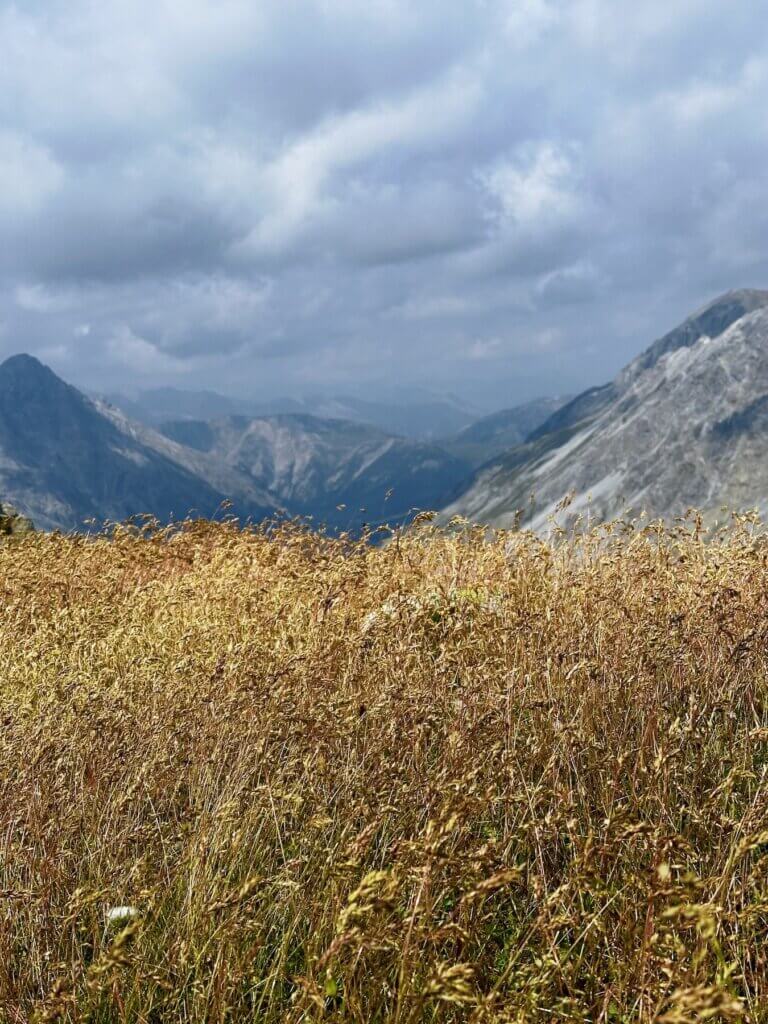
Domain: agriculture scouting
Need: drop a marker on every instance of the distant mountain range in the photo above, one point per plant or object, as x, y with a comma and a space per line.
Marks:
413, 413
685, 424
66, 459
490, 436
335, 471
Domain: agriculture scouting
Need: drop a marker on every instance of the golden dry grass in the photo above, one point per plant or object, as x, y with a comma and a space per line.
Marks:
443, 780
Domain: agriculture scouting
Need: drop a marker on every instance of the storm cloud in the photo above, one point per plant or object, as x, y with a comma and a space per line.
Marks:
497, 197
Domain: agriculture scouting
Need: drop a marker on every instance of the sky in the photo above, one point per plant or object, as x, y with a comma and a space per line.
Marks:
497, 198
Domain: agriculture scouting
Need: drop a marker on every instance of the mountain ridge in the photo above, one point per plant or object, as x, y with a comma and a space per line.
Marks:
427, 418
64, 461
338, 472
491, 435
645, 440
67, 459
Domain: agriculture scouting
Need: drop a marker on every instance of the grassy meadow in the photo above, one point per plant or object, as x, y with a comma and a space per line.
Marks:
445, 779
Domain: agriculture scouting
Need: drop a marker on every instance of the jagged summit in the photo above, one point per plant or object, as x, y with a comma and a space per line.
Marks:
683, 425
748, 299
709, 321
33, 398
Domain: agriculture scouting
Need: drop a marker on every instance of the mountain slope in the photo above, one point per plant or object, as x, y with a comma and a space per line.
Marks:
488, 437
314, 465
685, 424
238, 486
65, 459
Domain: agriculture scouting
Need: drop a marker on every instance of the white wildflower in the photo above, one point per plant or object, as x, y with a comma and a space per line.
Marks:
121, 915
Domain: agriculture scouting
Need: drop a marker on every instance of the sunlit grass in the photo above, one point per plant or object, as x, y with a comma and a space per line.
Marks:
273, 776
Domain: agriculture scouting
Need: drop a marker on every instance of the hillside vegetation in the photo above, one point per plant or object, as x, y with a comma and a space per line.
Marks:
446, 779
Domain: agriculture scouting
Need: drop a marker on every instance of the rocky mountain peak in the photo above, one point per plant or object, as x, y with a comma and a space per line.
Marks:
708, 322
24, 368
684, 425
30, 391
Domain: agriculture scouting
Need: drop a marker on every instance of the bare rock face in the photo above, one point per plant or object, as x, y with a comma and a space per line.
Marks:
684, 425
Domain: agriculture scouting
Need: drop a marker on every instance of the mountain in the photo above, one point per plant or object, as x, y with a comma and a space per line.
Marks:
314, 465
420, 415
488, 437
65, 459
685, 424
157, 404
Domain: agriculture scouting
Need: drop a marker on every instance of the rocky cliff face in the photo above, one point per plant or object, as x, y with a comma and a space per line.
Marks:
685, 424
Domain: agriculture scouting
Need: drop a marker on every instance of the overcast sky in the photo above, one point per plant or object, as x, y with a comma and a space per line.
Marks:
496, 197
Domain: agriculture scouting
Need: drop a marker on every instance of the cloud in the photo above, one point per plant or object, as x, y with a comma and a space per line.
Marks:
534, 188
493, 196
708, 98
580, 282
485, 348
37, 298
525, 21
139, 355
298, 184
29, 176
